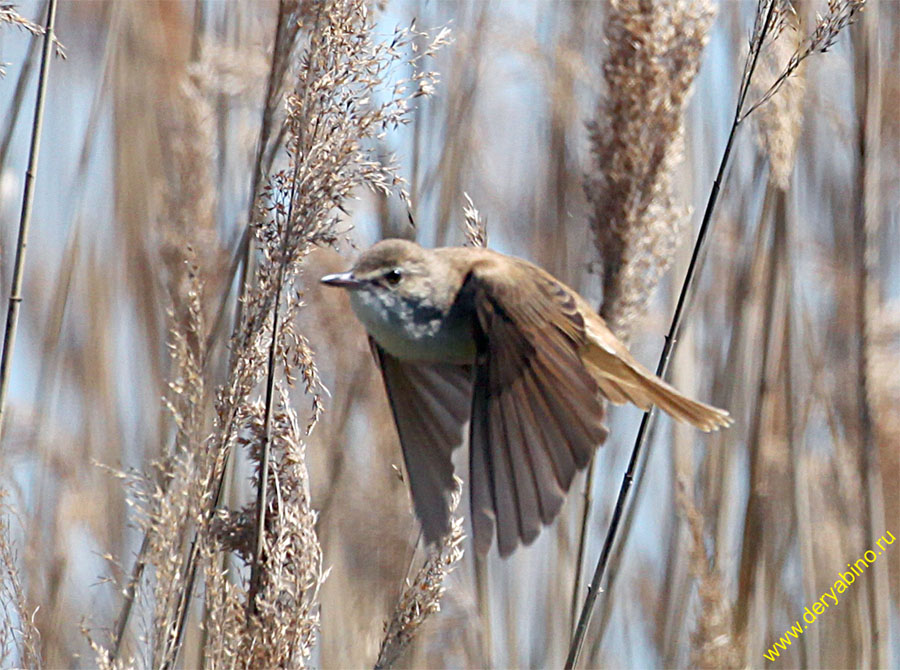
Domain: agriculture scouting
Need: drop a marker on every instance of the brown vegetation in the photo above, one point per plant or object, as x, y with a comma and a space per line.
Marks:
203, 165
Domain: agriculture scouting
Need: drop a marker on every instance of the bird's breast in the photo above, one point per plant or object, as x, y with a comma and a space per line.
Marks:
415, 331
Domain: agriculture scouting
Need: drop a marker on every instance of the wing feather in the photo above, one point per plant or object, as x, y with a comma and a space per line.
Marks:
537, 414
481, 478
553, 439
506, 504
550, 495
430, 403
522, 470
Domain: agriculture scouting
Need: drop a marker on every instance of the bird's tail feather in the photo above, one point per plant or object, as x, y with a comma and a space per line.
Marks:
624, 381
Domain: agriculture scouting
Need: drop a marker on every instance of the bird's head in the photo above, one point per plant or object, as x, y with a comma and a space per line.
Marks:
391, 270
406, 297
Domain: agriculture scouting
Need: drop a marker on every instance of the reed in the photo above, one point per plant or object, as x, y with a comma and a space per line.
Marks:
204, 164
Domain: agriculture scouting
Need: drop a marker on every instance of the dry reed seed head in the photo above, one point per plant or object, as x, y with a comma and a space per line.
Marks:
187, 218
333, 113
839, 15
225, 613
171, 500
348, 94
636, 142
769, 22
476, 225
103, 657
779, 123
421, 597
187, 241
713, 644
20, 639
10, 15
283, 629
332, 118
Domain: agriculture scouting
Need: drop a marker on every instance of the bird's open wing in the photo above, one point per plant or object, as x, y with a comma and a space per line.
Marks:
430, 403
537, 415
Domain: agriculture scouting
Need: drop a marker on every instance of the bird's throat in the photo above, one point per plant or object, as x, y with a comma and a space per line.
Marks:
413, 330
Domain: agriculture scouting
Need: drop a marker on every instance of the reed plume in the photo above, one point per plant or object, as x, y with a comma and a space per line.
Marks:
20, 639
421, 597
204, 164
637, 139
332, 118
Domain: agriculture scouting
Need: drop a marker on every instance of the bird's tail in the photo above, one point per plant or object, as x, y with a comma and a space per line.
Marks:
622, 379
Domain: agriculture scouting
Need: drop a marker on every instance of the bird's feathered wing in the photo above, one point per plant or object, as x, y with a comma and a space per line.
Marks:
537, 415
545, 362
535, 401
430, 403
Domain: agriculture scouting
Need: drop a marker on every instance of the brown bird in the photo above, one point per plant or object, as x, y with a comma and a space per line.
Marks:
471, 336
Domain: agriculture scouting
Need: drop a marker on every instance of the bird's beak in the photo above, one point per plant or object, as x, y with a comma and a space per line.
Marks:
342, 280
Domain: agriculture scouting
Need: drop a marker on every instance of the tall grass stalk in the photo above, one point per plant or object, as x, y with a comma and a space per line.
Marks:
18, 274
157, 128
637, 142
262, 486
769, 22
340, 69
767, 18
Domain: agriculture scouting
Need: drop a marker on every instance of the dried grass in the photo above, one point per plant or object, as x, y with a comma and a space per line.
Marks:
779, 123
10, 15
421, 597
637, 143
827, 27
331, 116
20, 639
202, 101
283, 629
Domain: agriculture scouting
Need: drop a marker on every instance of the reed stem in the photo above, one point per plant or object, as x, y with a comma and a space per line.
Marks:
15, 293
669, 345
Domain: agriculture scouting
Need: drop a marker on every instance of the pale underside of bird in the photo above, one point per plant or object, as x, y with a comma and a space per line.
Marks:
474, 343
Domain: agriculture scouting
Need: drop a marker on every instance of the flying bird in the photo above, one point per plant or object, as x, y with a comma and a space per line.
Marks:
468, 337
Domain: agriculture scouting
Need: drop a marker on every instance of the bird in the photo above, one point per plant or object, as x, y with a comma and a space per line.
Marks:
474, 343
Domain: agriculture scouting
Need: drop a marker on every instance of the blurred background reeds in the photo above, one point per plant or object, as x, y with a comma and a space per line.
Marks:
204, 163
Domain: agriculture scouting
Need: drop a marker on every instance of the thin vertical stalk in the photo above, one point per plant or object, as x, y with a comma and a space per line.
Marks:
615, 558
15, 294
587, 503
262, 487
15, 103
482, 596
669, 345
172, 653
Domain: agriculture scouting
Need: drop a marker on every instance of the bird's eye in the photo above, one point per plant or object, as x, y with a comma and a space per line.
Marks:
393, 277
